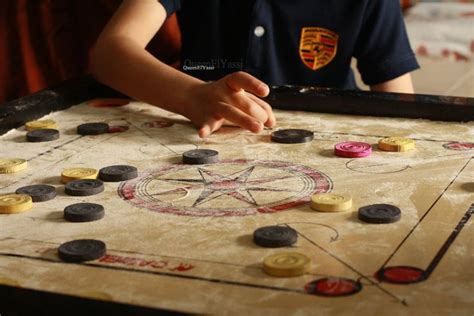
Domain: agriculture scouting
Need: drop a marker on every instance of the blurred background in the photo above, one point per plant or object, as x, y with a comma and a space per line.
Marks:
442, 35
43, 42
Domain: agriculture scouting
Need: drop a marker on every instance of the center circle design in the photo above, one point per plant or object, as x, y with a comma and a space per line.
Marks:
228, 188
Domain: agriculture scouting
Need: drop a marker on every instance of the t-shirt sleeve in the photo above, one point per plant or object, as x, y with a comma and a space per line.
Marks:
171, 6
383, 50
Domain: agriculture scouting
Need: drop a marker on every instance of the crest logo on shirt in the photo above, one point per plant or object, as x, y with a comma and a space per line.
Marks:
318, 46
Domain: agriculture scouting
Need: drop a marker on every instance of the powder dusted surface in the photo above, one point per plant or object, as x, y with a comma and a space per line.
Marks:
180, 236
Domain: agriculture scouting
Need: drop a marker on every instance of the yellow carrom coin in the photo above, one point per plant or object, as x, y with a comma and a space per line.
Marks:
15, 203
286, 264
11, 165
396, 144
331, 202
72, 174
41, 124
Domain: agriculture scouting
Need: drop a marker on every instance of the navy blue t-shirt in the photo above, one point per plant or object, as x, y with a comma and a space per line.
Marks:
298, 42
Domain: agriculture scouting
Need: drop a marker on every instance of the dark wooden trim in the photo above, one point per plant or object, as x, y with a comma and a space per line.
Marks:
16, 113
21, 301
418, 106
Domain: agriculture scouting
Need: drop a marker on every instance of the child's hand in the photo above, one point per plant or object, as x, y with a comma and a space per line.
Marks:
233, 98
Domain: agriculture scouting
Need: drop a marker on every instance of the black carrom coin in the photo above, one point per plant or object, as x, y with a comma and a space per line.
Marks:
380, 214
275, 236
84, 212
292, 136
200, 156
93, 128
84, 187
42, 135
118, 173
81, 250
38, 192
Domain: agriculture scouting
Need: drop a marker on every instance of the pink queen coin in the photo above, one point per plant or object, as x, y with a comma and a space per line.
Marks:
353, 149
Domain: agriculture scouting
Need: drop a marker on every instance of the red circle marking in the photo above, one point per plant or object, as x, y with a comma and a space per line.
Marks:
107, 103
401, 275
198, 190
461, 146
333, 287
118, 129
158, 124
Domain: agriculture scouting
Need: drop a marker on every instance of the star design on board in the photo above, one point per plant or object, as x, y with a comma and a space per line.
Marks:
237, 185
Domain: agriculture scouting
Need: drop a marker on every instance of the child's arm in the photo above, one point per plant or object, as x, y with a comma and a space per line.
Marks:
402, 84
384, 55
120, 60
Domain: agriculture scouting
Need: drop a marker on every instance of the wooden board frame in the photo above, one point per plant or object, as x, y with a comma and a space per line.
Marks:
353, 102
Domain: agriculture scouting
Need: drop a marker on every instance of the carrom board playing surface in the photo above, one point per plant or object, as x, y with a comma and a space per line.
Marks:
179, 236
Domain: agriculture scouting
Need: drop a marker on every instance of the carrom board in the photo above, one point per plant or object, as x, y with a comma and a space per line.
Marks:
179, 237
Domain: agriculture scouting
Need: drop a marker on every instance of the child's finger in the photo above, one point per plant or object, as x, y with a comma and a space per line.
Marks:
242, 80
235, 115
265, 106
204, 131
249, 106
210, 126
